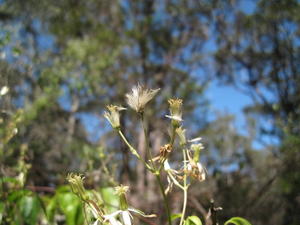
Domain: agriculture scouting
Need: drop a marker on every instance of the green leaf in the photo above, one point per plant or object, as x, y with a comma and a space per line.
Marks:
1, 211
8, 180
193, 220
175, 216
111, 200
237, 221
29, 209
71, 207
51, 206
15, 196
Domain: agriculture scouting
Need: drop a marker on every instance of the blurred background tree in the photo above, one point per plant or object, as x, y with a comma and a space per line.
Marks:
259, 53
63, 61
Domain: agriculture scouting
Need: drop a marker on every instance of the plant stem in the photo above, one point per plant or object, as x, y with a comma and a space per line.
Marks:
133, 151
185, 187
149, 154
173, 135
157, 175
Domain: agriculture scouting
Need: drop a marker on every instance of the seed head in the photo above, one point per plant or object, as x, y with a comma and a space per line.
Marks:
139, 97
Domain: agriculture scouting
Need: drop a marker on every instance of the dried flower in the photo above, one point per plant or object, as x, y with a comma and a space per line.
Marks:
139, 97
175, 111
164, 152
113, 116
195, 169
171, 178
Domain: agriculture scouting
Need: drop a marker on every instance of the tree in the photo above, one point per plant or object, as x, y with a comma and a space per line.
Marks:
258, 52
99, 50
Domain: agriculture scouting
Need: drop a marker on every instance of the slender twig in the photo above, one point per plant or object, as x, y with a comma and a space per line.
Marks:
154, 170
185, 186
133, 151
148, 151
157, 175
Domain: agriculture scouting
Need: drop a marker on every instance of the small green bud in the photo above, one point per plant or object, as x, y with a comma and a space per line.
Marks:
175, 111
197, 149
113, 115
121, 192
76, 183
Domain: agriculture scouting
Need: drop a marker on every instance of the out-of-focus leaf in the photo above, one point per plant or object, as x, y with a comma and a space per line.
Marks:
50, 208
71, 207
14, 196
237, 221
175, 216
29, 208
193, 220
111, 200
9, 180
1, 211
16, 51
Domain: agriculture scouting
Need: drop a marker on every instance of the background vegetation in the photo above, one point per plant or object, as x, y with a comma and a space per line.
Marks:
63, 61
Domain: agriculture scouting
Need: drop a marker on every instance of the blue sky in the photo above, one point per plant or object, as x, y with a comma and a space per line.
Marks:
225, 99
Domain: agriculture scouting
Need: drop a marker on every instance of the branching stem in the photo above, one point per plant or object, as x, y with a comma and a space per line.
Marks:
133, 151
157, 175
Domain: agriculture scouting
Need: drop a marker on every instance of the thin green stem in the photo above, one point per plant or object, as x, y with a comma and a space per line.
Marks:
185, 187
132, 150
173, 133
157, 175
148, 151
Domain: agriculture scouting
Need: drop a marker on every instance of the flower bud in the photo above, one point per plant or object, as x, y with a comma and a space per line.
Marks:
113, 115
76, 183
175, 111
121, 192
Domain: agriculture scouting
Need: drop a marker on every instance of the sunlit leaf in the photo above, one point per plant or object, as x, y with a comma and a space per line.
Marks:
175, 216
193, 220
237, 221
